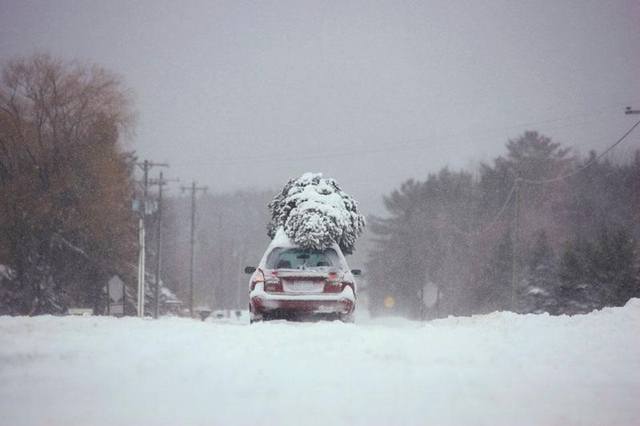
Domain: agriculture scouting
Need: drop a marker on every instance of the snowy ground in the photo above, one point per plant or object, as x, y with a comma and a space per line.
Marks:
499, 369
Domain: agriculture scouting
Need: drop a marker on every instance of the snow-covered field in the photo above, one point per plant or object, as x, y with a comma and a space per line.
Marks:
499, 369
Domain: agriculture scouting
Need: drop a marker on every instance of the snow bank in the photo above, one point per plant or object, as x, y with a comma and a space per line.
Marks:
498, 369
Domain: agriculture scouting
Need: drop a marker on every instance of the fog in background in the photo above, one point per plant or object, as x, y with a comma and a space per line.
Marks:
247, 94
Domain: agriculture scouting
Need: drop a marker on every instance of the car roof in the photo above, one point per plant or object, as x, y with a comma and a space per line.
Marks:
281, 240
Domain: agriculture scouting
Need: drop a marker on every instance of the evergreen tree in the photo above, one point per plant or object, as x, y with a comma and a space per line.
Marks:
425, 240
531, 157
495, 290
396, 267
314, 213
612, 268
576, 293
539, 286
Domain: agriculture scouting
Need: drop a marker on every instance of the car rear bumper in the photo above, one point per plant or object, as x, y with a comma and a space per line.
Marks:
321, 303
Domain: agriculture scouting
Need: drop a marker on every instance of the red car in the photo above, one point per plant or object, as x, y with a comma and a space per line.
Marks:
291, 282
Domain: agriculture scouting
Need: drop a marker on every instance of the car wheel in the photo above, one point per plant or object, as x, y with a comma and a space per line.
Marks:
253, 317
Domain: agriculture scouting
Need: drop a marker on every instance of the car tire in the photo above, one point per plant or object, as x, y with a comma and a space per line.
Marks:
253, 317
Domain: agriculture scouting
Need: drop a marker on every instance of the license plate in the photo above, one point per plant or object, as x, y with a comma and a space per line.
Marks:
304, 286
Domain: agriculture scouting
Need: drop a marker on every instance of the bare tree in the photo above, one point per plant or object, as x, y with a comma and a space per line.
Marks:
64, 179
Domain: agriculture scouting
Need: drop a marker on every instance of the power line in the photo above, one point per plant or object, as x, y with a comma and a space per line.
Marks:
161, 182
515, 189
515, 242
493, 221
516, 206
406, 145
146, 165
588, 164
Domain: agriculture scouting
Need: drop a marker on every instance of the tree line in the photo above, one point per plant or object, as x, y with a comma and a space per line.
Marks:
67, 197
469, 242
516, 237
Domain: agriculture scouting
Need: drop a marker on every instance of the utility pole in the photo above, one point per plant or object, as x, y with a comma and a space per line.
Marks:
514, 243
194, 189
145, 166
108, 299
630, 111
141, 266
156, 290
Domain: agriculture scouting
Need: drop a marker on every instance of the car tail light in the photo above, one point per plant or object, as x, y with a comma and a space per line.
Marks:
272, 285
332, 284
258, 277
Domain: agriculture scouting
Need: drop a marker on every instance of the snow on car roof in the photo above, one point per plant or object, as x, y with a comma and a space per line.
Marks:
281, 240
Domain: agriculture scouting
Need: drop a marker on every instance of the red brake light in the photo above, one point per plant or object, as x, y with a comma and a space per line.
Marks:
333, 284
272, 285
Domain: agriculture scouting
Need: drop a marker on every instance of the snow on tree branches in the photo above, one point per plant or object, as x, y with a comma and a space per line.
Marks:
314, 213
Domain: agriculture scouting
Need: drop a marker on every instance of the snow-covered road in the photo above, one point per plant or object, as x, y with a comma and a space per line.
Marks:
499, 369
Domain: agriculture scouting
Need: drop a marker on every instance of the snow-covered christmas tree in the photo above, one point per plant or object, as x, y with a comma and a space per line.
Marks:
314, 213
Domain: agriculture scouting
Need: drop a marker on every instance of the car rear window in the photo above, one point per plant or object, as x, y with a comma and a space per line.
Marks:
295, 258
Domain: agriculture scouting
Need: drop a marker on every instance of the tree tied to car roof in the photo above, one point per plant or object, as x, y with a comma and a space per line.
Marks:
314, 213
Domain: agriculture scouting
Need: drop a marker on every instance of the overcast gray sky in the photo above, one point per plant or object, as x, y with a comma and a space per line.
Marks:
237, 93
